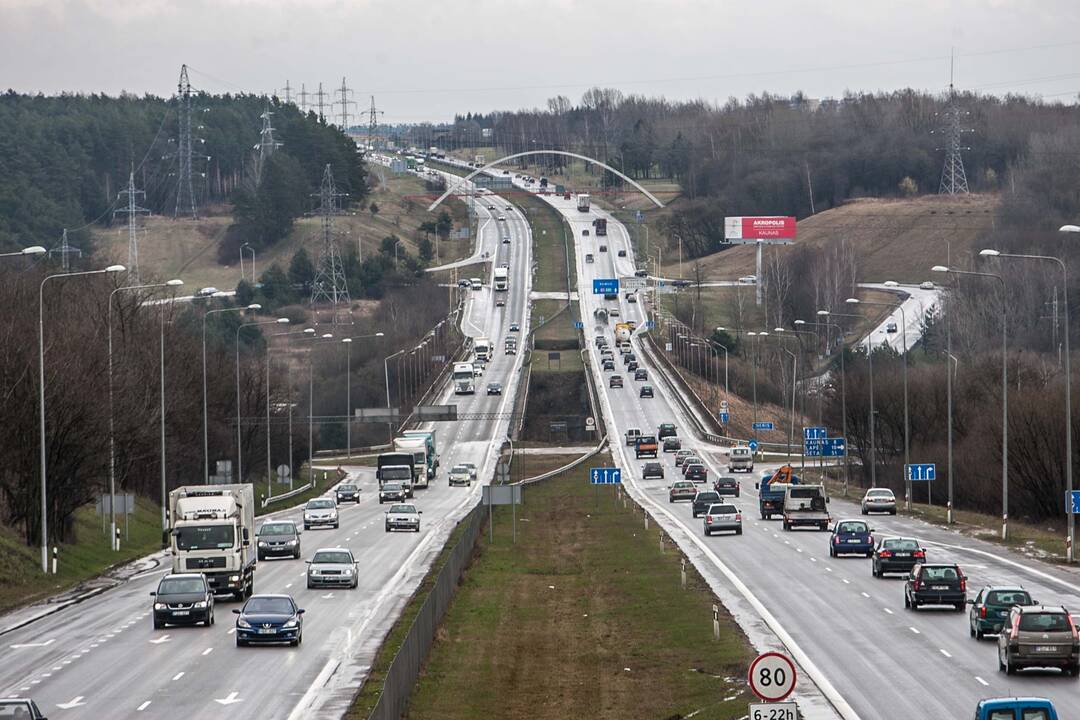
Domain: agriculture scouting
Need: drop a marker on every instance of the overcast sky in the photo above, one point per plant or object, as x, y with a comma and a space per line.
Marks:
426, 60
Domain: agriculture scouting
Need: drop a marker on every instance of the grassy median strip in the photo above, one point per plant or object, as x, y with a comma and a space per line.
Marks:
552, 245
583, 617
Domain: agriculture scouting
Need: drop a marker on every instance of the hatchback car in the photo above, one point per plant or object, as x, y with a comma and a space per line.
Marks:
723, 516
703, 501
494, 389
332, 567
688, 461
646, 391
681, 455
609, 364
727, 486
879, 500
589, 258
672, 444
937, 584
615, 381
183, 599
403, 517
585, 232
896, 554
990, 608
269, 618
278, 538
653, 470
391, 492
320, 512
459, 475
622, 253
514, 327
602, 248
347, 491
20, 709
696, 472
666, 430
851, 537
1042, 636
681, 490
641, 374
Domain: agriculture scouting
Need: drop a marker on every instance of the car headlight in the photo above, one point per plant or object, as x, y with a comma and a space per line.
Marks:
234, 578
201, 604
159, 606
313, 571
290, 623
347, 573
291, 542
262, 543
243, 623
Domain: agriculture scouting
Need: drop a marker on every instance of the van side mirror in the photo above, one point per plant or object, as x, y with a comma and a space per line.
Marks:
300, 611
153, 593
756, 486
236, 611
827, 499
244, 534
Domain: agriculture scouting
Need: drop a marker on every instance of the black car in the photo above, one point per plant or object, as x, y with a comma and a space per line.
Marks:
494, 389
672, 444
938, 584
348, 492
632, 366
896, 554
514, 327
646, 392
183, 599
609, 364
641, 273
269, 618
628, 358
703, 500
727, 486
990, 608
666, 430
622, 253
602, 248
696, 473
278, 538
652, 470
641, 374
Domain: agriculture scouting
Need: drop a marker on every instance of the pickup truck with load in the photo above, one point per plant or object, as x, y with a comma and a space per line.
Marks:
806, 505
395, 467
771, 491
423, 459
645, 446
211, 531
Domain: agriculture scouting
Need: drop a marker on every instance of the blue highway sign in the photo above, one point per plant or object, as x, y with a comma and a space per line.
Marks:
814, 433
824, 447
1072, 502
605, 286
578, 325
605, 476
725, 417
920, 472
753, 445
763, 426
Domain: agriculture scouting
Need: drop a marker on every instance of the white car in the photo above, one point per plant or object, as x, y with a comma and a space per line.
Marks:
332, 567
403, 517
460, 475
926, 285
320, 511
472, 469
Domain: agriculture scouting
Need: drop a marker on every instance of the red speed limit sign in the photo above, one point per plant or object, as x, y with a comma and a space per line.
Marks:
772, 676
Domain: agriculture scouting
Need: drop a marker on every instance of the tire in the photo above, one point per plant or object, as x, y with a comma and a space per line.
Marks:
708, 532
310, 586
907, 602
1075, 671
1009, 669
417, 529
865, 511
387, 528
971, 630
738, 531
260, 557
873, 570
832, 553
158, 624
308, 527
914, 604
380, 500
336, 526
979, 634
893, 512
960, 607
1001, 665
296, 555
294, 643
241, 643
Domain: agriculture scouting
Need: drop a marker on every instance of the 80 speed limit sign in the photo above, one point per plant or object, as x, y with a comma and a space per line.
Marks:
772, 676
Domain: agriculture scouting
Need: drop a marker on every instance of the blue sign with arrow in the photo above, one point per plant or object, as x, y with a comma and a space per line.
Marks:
725, 417
753, 445
1072, 502
814, 433
920, 472
605, 286
605, 476
824, 447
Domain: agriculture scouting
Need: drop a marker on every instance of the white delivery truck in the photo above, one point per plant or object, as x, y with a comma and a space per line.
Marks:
482, 348
463, 379
212, 529
583, 203
423, 465
502, 279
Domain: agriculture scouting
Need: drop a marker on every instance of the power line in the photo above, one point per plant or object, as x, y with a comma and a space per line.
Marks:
343, 92
132, 211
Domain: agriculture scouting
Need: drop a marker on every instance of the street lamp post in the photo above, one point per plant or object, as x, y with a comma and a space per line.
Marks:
205, 442
41, 403
311, 405
32, 250
239, 441
843, 386
724, 348
1004, 393
348, 388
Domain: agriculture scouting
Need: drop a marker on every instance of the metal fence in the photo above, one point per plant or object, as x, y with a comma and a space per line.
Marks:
404, 671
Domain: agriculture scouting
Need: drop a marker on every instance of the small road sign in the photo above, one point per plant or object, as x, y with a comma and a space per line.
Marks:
753, 445
773, 711
763, 425
578, 325
590, 423
605, 476
650, 324
723, 405
1072, 502
283, 472
772, 676
814, 433
916, 472
724, 416
605, 286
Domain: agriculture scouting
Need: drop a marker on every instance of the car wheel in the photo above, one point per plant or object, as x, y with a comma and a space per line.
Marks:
865, 511
296, 555
336, 526
306, 526
907, 602
241, 643
873, 570
417, 529
893, 512
1001, 663
158, 624
1009, 669
260, 557
708, 532
310, 586
387, 528
979, 634
294, 643
380, 501
914, 604
960, 607
738, 531
1075, 671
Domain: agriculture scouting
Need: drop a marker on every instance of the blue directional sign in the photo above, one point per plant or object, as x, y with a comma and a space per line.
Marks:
814, 433
650, 324
917, 472
605, 286
824, 447
763, 425
753, 445
578, 325
1072, 502
639, 216
605, 476
725, 417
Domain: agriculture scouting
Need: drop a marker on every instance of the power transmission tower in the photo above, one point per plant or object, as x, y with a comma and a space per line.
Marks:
329, 285
373, 125
320, 103
303, 99
185, 192
65, 250
266, 145
344, 102
133, 211
288, 93
953, 178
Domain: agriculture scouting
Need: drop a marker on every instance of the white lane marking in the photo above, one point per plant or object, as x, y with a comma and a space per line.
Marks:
57, 667
865, 595
887, 610
944, 652
231, 631
162, 639
229, 699
846, 581
48, 674
798, 549
982, 681
288, 586
46, 643
178, 675
828, 569
142, 707
914, 630
207, 651
72, 703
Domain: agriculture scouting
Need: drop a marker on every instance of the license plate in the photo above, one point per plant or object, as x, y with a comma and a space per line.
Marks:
181, 612
939, 587
854, 540
267, 631
1003, 613
1046, 648
903, 554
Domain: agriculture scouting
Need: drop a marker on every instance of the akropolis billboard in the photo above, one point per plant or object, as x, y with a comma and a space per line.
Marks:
760, 227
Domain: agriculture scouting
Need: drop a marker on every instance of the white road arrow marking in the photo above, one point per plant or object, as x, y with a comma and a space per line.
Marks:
229, 699
327, 596
163, 638
18, 646
72, 703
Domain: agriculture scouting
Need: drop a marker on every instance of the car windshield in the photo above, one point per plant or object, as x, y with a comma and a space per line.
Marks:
346, 488
332, 557
269, 605
722, 509
403, 509
852, 527
181, 586
652, 467
460, 469
204, 537
278, 529
932, 574
1044, 622
320, 504
900, 544
1008, 597
391, 487
879, 494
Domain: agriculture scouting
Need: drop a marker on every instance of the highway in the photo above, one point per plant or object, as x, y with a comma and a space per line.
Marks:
916, 302
101, 658
876, 660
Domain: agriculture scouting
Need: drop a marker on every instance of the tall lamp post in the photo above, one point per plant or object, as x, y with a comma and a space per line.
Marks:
112, 434
205, 442
870, 374
41, 402
1004, 392
386, 378
824, 314
311, 404
348, 387
32, 250
724, 348
239, 446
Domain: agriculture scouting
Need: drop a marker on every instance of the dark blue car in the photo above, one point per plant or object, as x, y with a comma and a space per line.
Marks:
851, 537
269, 618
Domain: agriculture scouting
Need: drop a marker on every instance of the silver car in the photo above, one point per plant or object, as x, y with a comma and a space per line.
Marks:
320, 511
403, 517
879, 500
472, 469
460, 475
332, 567
723, 516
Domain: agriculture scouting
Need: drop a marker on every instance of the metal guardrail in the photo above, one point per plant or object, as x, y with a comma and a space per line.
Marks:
569, 466
285, 496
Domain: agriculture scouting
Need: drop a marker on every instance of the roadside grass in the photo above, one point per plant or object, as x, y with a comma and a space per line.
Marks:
21, 579
323, 479
553, 248
583, 617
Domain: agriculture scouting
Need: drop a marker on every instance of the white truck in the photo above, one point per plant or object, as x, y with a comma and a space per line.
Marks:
463, 379
482, 348
423, 466
502, 279
583, 202
211, 530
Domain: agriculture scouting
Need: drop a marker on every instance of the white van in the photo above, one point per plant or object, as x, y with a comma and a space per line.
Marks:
475, 283
740, 457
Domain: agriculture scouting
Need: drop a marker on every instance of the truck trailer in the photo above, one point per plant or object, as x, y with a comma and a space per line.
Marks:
423, 461
211, 530
583, 202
